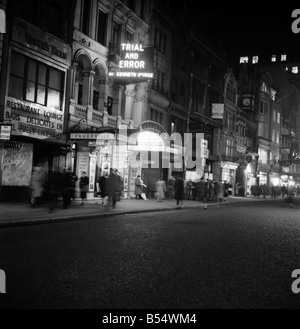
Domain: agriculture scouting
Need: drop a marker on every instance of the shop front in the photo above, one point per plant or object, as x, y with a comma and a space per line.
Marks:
95, 154
34, 106
229, 173
148, 159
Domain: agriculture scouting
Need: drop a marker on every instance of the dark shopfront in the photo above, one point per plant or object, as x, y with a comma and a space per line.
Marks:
18, 159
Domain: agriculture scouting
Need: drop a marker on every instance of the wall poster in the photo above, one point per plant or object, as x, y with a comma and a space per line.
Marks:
17, 166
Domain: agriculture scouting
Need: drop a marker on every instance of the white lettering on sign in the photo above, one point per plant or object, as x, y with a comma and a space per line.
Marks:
92, 136
2, 282
132, 59
33, 120
132, 47
132, 65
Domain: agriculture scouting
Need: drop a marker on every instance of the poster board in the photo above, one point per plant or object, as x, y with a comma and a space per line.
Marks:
92, 173
17, 166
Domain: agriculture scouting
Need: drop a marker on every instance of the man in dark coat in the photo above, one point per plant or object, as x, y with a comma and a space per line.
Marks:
179, 191
103, 185
113, 183
70, 180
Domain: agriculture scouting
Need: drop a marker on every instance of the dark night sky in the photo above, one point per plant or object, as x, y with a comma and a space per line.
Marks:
246, 29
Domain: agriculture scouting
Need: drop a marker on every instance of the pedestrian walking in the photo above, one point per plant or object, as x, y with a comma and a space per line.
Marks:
113, 187
179, 191
102, 185
84, 186
37, 186
220, 191
171, 189
201, 190
206, 192
70, 180
160, 189
138, 191
56, 187
120, 181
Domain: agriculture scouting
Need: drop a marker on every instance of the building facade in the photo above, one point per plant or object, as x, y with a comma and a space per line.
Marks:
34, 94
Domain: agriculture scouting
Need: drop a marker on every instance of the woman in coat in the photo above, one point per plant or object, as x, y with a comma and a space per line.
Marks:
138, 187
220, 190
160, 190
37, 185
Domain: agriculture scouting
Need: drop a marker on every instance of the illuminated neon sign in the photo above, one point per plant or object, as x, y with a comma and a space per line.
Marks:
136, 62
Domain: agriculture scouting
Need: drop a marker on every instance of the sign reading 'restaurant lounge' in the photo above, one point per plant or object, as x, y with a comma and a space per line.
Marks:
33, 120
135, 62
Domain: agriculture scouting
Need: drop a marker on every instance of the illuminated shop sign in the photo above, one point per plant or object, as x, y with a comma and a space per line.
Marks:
136, 62
33, 120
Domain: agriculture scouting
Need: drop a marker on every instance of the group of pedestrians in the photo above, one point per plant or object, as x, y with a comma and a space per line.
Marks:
55, 185
111, 188
208, 190
175, 189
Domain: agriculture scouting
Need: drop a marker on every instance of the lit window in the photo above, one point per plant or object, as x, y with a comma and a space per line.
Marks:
244, 60
274, 58
295, 70
255, 60
283, 58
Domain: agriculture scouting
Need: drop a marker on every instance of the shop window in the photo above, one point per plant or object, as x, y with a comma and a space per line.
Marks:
36, 82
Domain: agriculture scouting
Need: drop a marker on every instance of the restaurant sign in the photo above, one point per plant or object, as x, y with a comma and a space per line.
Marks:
33, 120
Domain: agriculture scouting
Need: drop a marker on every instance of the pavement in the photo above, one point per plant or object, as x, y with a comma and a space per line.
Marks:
22, 214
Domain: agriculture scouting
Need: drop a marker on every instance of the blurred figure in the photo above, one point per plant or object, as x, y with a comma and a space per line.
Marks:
264, 191
113, 187
102, 185
201, 188
160, 189
56, 188
37, 185
179, 191
70, 180
284, 191
171, 184
84, 187
120, 185
220, 191
138, 187
237, 188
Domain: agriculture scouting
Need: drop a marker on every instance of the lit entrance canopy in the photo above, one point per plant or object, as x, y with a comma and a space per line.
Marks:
150, 141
